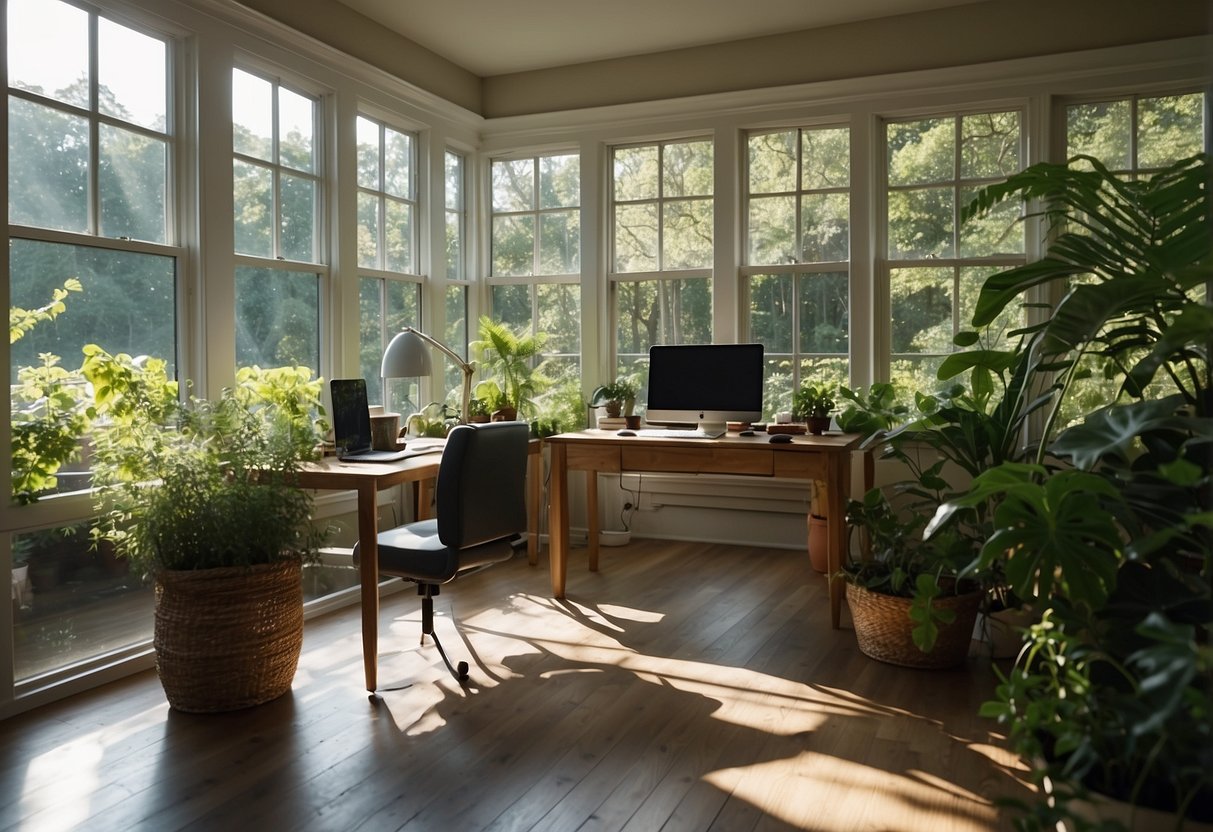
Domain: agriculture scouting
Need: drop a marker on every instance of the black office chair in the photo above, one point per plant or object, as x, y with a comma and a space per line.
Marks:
481, 508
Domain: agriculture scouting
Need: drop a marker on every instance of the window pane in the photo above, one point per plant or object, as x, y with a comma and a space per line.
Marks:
636, 238
635, 173
252, 115
513, 246
559, 181
637, 321
560, 243
916, 375
997, 232
368, 153
772, 221
48, 167
772, 162
403, 309
39, 29
371, 335
826, 158
971, 279
513, 185
687, 241
454, 246
921, 305
512, 305
277, 318
824, 313
73, 601
1101, 130
456, 332
771, 312
131, 68
989, 145
254, 209
662, 312
398, 164
1170, 129
828, 371
296, 115
128, 302
560, 317
825, 232
298, 218
922, 151
777, 385
368, 231
399, 226
920, 223
132, 185
454, 181
687, 169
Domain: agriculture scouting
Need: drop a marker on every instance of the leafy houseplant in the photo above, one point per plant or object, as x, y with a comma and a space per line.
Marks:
508, 358
1113, 689
616, 397
813, 404
201, 495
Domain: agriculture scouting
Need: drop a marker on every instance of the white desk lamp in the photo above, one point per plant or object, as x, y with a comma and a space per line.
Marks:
407, 356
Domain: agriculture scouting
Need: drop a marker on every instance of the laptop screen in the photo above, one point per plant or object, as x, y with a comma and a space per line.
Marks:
351, 415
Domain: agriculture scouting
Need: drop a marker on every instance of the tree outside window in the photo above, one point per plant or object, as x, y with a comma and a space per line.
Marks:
796, 274
276, 193
535, 280
934, 266
661, 213
389, 285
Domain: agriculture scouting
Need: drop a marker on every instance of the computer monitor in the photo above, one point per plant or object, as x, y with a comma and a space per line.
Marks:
705, 384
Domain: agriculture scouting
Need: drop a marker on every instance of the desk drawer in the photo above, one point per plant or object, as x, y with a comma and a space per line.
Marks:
698, 460
603, 458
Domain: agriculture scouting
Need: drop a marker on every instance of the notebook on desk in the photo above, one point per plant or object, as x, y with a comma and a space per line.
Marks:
352, 426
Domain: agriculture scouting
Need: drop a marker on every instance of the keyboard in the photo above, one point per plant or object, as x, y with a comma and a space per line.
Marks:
676, 433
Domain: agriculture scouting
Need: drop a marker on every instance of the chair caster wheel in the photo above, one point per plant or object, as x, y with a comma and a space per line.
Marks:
461, 671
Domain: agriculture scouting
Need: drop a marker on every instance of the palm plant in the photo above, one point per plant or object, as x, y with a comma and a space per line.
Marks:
509, 357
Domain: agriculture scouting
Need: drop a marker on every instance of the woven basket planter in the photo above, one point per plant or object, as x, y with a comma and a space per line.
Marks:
228, 638
883, 625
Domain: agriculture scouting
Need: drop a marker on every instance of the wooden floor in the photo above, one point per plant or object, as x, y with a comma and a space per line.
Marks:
684, 687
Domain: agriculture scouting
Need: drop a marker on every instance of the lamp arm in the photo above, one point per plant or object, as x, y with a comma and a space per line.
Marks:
466, 367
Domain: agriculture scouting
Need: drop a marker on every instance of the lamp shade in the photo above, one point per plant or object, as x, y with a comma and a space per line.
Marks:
406, 356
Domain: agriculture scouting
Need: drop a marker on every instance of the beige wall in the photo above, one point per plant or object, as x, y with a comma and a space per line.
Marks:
955, 36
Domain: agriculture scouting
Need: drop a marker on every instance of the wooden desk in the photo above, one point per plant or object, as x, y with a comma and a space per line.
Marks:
825, 458
368, 479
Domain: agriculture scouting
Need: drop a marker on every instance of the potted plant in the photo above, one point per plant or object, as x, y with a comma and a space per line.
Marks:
617, 397
201, 496
508, 358
813, 404
1110, 529
478, 410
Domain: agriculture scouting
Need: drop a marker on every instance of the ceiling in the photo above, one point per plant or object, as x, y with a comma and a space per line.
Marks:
492, 37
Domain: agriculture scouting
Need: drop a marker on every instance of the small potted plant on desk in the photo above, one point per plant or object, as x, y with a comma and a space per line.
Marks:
617, 398
813, 404
200, 495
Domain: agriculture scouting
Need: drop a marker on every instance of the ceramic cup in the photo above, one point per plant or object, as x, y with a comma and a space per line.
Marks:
384, 428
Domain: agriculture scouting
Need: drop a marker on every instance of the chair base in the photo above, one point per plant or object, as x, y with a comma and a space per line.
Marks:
427, 593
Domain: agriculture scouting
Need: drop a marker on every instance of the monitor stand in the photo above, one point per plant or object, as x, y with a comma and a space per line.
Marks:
712, 430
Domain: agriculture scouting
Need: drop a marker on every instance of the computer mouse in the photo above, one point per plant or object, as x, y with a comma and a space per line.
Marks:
780, 438
625, 432
746, 433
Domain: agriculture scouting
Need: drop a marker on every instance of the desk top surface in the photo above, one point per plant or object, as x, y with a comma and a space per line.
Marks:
831, 441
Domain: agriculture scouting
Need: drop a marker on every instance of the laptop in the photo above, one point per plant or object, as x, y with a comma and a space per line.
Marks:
352, 426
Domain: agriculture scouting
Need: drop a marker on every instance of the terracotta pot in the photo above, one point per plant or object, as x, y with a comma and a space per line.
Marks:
505, 414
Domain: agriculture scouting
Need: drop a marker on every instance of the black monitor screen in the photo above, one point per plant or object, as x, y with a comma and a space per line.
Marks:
705, 383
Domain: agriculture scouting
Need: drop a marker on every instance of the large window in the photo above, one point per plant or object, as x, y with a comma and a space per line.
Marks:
91, 159
277, 197
535, 284
934, 265
797, 257
389, 286
661, 248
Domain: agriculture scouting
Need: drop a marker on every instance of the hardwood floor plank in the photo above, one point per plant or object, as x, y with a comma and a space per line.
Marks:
685, 686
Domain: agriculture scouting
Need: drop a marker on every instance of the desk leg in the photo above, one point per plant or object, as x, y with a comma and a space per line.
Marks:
839, 486
425, 498
368, 531
534, 484
591, 513
558, 519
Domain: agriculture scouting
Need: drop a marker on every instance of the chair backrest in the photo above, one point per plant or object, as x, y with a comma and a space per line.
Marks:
481, 492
